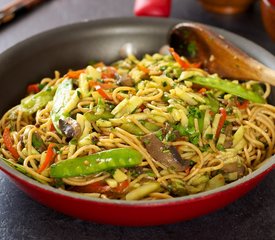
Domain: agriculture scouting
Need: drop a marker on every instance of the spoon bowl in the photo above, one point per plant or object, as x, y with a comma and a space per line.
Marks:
198, 43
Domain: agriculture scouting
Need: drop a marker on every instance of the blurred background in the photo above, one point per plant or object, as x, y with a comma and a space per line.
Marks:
52, 13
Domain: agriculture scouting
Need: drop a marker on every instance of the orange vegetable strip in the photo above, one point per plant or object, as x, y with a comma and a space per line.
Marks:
102, 85
183, 63
75, 74
102, 92
50, 155
243, 105
9, 144
143, 68
108, 72
221, 122
202, 90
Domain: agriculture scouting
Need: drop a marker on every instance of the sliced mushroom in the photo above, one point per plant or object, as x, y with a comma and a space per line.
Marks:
165, 154
124, 80
234, 167
70, 128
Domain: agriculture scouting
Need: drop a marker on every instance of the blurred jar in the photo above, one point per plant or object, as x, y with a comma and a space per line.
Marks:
268, 16
226, 6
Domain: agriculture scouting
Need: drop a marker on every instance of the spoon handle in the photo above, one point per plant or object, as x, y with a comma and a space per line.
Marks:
218, 55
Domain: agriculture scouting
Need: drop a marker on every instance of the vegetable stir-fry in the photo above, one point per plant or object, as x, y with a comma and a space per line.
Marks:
154, 128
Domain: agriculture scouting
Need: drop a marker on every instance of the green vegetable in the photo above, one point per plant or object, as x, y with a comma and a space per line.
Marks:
214, 182
98, 162
60, 101
228, 87
20, 168
33, 103
143, 191
38, 143
258, 88
92, 117
192, 49
127, 106
194, 112
151, 126
212, 102
134, 129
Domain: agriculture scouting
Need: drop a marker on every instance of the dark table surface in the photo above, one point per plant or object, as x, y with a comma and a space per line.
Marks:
251, 217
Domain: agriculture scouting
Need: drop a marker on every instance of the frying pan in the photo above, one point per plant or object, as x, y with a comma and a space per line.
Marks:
74, 46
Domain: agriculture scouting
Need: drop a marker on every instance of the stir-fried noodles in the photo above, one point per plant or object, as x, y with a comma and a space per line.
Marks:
154, 128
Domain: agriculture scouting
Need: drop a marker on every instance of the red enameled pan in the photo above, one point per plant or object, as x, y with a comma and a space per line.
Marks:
74, 46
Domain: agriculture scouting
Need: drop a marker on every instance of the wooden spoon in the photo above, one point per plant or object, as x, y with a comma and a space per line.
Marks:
200, 44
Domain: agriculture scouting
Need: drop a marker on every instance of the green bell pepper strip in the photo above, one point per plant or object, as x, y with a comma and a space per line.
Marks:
228, 87
60, 100
95, 163
33, 103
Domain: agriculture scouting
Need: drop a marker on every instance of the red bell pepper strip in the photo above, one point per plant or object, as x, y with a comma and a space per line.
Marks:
221, 122
158, 8
183, 63
9, 144
121, 187
96, 187
243, 105
75, 74
102, 85
52, 128
108, 72
99, 89
102, 187
50, 155
33, 88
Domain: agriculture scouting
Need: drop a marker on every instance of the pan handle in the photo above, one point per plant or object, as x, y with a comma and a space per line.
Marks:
152, 8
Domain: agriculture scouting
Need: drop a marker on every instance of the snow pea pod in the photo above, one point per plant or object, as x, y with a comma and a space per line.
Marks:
60, 100
97, 162
228, 87
33, 103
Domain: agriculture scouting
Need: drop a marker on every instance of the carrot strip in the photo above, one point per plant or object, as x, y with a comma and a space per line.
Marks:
108, 72
183, 63
202, 90
143, 68
50, 155
75, 74
9, 144
102, 93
